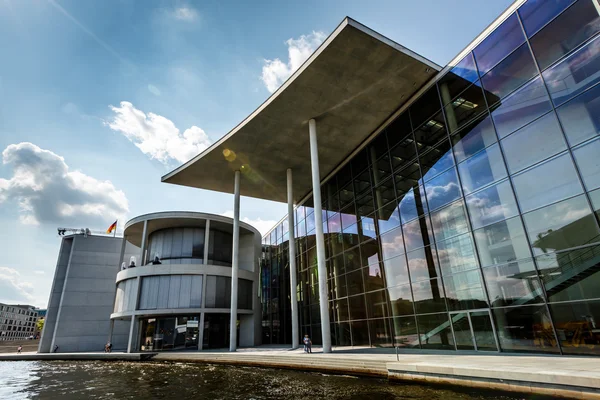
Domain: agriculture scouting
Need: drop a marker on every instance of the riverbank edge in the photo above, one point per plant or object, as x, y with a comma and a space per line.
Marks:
541, 383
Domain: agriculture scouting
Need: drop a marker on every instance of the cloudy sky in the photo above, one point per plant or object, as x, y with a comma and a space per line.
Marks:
99, 99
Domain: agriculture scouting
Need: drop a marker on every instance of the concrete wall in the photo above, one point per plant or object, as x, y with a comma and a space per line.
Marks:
83, 295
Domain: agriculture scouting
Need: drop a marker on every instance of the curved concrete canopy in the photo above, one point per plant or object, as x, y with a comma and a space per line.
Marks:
180, 219
350, 85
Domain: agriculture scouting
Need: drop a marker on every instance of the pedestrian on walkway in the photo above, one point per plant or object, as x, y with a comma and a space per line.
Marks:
19, 349
307, 344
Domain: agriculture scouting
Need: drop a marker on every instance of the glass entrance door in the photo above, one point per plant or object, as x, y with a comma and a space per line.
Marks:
473, 330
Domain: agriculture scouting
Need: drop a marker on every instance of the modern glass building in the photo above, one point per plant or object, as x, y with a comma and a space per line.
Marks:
457, 208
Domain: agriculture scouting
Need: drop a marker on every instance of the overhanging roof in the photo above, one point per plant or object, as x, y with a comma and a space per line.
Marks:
350, 85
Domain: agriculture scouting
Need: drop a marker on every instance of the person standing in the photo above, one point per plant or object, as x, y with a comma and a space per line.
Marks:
307, 344
19, 349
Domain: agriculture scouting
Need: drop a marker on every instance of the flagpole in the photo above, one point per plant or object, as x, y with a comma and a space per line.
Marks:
116, 224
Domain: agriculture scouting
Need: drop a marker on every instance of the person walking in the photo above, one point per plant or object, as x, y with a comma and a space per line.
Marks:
19, 349
307, 344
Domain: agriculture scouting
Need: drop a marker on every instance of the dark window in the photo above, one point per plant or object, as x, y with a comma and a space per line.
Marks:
435, 332
576, 327
427, 105
398, 129
459, 78
401, 300
525, 329
464, 107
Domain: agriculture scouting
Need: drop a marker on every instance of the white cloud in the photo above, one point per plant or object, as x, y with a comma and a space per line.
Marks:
39, 272
187, 14
13, 289
154, 90
275, 72
157, 136
263, 226
46, 190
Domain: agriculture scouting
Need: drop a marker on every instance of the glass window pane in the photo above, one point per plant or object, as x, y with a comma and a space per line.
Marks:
580, 117
435, 332
537, 13
463, 107
485, 167
560, 226
422, 264
525, 329
388, 218
595, 198
464, 291
499, 43
575, 73
443, 189
474, 137
449, 221
456, 254
358, 309
405, 332
502, 242
588, 162
403, 152
492, 204
571, 275
429, 296
546, 183
524, 105
399, 130
381, 333
515, 283
512, 72
436, 160
392, 243
401, 300
574, 26
459, 78
576, 327
360, 333
377, 304
340, 311
396, 272
427, 105
533, 143
430, 133
412, 204
373, 278
417, 233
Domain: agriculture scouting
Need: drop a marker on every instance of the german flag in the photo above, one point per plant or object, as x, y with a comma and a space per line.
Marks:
112, 227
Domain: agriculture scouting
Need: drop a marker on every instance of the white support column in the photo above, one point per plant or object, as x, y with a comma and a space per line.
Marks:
321, 268
234, 263
201, 331
132, 331
206, 240
292, 250
141, 261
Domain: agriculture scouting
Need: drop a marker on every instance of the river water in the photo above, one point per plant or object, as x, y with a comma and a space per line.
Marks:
156, 380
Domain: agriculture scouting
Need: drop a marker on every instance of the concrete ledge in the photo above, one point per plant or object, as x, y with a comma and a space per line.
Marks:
77, 356
542, 383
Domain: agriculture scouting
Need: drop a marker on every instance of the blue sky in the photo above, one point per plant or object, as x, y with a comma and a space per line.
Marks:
99, 99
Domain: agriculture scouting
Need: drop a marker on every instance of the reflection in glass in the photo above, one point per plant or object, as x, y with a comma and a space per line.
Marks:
483, 168
502, 242
574, 26
456, 254
449, 221
412, 204
357, 307
381, 333
588, 162
515, 283
474, 137
561, 226
429, 296
425, 106
579, 117
377, 304
392, 243
483, 331
443, 189
522, 106
464, 107
525, 329
577, 327
462, 331
504, 39
571, 275
537, 13
459, 77
405, 332
401, 300
464, 291
373, 277
417, 233
575, 73
492, 204
512, 72
422, 264
396, 272
546, 183
436, 161
533, 143
360, 333
435, 332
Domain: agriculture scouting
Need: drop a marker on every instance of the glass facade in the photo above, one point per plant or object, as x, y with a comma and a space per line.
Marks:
470, 222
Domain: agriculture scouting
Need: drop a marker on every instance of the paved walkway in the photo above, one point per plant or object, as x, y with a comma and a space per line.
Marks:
569, 377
